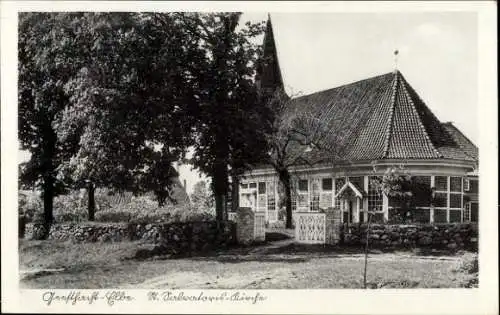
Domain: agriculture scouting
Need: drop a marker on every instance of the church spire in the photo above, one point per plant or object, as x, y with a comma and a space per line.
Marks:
396, 53
268, 76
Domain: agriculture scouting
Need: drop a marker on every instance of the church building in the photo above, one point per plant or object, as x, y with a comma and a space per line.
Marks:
384, 123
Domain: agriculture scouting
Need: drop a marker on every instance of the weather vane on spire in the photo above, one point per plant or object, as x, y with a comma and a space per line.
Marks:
396, 53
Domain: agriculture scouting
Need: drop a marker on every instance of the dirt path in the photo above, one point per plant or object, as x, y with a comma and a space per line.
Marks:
279, 264
196, 280
291, 274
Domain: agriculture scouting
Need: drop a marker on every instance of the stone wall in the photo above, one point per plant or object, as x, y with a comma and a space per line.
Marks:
451, 236
177, 236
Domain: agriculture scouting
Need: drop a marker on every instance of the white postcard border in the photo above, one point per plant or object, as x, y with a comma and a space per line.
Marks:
392, 301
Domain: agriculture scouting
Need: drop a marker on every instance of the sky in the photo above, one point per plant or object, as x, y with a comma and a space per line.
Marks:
437, 56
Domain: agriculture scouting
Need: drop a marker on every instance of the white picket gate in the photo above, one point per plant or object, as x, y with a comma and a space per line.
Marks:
310, 227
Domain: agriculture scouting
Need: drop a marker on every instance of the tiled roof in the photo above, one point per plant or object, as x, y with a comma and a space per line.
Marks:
463, 142
383, 118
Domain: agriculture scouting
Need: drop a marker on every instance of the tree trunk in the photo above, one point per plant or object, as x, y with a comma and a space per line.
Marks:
47, 171
161, 197
91, 203
219, 207
220, 175
220, 178
285, 179
48, 205
220, 184
288, 204
235, 196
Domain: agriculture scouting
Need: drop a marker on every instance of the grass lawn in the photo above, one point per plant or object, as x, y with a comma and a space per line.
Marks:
278, 265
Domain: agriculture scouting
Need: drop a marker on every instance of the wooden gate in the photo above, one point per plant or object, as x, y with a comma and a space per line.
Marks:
310, 227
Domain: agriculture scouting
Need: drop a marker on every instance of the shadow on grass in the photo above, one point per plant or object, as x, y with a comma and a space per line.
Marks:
249, 258
276, 236
291, 252
74, 269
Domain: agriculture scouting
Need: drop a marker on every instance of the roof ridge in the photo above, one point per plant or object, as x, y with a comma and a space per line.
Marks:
459, 144
444, 137
341, 86
412, 106
459, 131
391, 115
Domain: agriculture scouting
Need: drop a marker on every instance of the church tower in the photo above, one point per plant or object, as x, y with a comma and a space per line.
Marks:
268, 77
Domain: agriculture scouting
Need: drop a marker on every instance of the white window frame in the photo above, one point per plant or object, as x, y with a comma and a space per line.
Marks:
293, 195
447, 194
368, 196
318, 181
271, 192
467, 212
249, 191
259, 207
271, 198
466, 184
324, 192
461, 194
335, 200
305, 194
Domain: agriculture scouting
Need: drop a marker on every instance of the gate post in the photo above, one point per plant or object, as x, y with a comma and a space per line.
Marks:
250, 226
333, 225
244, 225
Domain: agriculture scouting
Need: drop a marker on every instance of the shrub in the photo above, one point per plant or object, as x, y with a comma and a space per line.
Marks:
469, 266
469, 263
277, 225
146, 210
29, 205
282, 214
126, 212
66, 207
70, 208
113, 216
202, 197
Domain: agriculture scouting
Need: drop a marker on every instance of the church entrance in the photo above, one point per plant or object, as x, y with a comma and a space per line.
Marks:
351, 200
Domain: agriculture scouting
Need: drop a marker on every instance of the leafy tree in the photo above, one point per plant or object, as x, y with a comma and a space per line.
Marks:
202, 197
111, 99
46, 63
227, 97
132, 104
